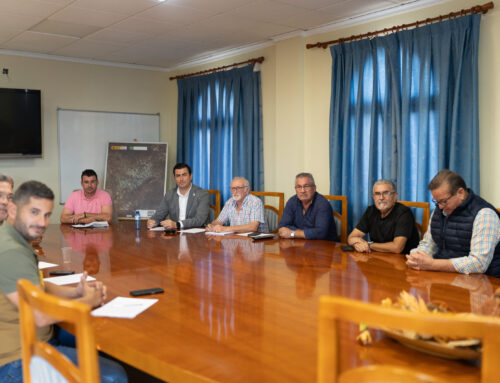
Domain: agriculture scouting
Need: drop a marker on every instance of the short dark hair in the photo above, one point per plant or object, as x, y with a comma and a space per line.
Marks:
89, 173
31, 189
454, 181
181, 165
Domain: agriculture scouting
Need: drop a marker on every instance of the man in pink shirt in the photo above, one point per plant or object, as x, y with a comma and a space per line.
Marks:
88, 205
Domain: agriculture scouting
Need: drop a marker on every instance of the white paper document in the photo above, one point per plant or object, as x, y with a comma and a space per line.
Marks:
45, 265
67, 279
214, 233
157, 228
245, 234
122, 307
92, 224
194, 230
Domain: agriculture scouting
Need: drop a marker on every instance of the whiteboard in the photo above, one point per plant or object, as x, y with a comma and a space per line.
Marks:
83, 141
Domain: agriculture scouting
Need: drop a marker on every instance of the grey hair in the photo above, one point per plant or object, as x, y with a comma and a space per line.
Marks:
384, 181
5, 178
247, 184
306, 175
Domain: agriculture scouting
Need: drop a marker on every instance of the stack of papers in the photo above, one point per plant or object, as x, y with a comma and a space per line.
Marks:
45, 265
214, 233
92, 224
122, 307
67, 279
193, 230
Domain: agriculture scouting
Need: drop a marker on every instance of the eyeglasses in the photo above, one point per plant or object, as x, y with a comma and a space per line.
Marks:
384, 194
7, 196
303, 187
237, 188
442, 202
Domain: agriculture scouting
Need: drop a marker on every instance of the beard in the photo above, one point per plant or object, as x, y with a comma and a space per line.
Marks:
23, 229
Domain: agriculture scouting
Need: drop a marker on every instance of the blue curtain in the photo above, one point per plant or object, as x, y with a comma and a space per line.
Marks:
219, 128
404, 106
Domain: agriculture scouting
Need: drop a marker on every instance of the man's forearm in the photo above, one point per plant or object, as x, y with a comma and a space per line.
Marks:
252, 226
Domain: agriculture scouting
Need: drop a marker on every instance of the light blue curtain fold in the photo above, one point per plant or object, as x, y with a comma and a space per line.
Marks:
219, 128
404, 106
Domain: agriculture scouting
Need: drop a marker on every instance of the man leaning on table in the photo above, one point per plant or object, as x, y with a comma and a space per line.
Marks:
391, 225
89, 204
185, 206
464, 231
6, 187
307, 214
29, 213
242, 213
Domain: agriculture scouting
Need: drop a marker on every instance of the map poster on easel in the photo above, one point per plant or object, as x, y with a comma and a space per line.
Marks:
135, 176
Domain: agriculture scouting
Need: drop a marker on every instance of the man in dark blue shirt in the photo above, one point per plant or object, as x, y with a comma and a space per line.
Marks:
307, 214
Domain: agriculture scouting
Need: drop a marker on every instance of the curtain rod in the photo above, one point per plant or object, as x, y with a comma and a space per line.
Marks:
250, 61
475, 9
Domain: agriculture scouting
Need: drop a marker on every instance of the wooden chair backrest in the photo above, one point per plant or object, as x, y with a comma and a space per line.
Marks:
342, 216
215, 206
425, 215
78, 314
334, 309
281, 205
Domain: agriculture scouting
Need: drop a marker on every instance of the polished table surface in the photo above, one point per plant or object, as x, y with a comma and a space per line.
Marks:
235, 310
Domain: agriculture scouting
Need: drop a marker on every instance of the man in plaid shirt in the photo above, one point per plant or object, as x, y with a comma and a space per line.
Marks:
464, 232
242, 213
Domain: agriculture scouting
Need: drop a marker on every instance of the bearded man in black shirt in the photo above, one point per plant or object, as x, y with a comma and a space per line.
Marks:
391, 226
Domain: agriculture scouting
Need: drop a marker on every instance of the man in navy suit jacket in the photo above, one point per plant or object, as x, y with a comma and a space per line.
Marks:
185, 206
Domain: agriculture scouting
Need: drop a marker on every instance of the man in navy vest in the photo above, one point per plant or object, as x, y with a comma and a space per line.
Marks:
464, 232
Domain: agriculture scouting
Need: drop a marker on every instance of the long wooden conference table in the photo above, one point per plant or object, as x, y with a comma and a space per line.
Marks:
237, 310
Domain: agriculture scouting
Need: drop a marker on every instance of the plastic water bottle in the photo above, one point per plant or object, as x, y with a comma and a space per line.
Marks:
137, 219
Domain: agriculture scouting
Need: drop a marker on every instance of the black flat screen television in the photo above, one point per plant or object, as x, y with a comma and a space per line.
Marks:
20, 123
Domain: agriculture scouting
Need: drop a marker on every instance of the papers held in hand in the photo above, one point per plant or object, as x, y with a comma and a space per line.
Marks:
94, 224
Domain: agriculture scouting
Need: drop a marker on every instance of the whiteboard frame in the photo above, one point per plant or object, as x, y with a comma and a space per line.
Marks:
95, 130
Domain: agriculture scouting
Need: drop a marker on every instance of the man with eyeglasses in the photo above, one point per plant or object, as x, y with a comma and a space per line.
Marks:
242, 213
391, 226
464, 231
185, 206
6, 187
307, 214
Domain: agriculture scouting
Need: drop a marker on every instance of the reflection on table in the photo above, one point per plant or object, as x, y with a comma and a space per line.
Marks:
238, 310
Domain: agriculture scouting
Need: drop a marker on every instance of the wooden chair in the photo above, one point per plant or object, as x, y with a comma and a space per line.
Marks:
335, 309
425, 215
76, 313
214, 206
342, 216
272, 214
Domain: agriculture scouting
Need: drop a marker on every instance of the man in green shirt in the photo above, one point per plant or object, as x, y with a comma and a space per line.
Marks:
28, 217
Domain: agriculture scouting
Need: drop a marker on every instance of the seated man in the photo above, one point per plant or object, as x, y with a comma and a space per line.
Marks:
29, 214
186, 205
391, 225
242, 213
464, 231
307, 214
6, 187
87, 205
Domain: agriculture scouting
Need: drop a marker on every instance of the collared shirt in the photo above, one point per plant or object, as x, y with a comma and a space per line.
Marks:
18, 260
485, 237
251, 210
317, 222
183, 201
77, 203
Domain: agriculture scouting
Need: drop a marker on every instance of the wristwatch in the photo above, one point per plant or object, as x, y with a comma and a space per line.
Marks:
292, 234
